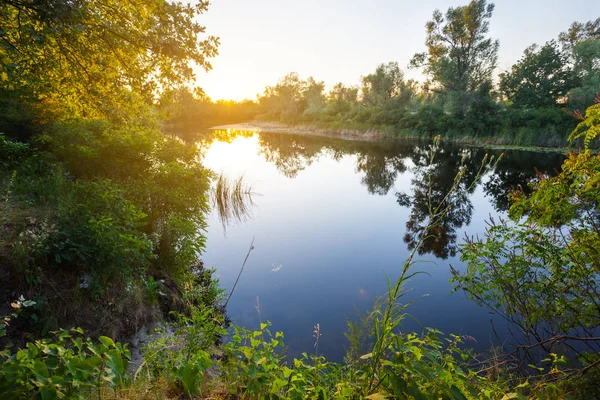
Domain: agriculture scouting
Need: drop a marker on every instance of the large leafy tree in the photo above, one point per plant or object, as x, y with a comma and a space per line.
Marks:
314, 97
341, 98
586, 56
540, 78
94, 56
581, 44
383, 85
286, 99
460, 58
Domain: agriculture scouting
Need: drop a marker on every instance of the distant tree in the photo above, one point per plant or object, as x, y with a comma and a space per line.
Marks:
285, 100
586, 56
383, 85
459, 57
578, 32
341, 99
314, 98
540, 78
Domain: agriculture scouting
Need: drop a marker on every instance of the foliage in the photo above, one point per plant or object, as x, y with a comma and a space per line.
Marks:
589, 128
387, 83
97, 229
540, 269
150, 169
68, 366
578, 32
11, 152
587, 67
255, 367
291, 97
539, 79
459, 58
186, 112
97, 56
181, 354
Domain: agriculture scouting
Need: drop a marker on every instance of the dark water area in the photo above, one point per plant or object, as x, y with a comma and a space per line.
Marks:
333, 218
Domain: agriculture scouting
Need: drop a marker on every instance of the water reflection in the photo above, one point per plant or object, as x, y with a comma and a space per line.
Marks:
379, 163
433, 185
518, 168
330, 226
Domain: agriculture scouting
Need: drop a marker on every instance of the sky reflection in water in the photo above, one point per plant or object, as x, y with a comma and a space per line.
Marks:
333, 217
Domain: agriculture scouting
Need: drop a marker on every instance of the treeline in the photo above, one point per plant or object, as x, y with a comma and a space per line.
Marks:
531, 104
536, 102
184, 111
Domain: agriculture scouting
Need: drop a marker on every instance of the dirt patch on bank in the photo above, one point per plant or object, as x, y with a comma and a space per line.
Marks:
276, 127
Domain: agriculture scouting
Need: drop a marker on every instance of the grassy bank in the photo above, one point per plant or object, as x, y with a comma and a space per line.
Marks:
364, 132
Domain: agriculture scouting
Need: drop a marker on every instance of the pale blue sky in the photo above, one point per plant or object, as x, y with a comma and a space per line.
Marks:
339, 41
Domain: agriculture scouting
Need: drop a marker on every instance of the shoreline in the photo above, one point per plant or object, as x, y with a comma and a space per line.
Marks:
375, 135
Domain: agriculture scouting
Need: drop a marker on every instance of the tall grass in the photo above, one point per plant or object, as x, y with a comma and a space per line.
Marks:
232, 200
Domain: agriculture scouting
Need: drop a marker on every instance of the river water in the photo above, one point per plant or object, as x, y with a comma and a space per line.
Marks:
333, 218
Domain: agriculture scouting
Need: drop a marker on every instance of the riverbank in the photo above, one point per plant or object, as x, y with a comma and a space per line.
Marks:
384, 133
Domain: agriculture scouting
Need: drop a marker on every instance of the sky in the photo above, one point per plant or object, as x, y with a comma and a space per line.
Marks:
340, 41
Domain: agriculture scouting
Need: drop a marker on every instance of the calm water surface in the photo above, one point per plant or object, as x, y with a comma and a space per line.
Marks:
334, 217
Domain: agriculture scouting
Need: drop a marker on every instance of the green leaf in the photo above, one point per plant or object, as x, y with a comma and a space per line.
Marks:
108, 342
41, 370
376, 396
456, 393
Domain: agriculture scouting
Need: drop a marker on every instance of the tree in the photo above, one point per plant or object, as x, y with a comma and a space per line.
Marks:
578, 32
314, 98
386, 83
341, 98
459, 57
539, 79
586, 56
94, 57
286, 99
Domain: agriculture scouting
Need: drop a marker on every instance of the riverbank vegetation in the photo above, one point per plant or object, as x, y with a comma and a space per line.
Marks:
462, 97
102, 218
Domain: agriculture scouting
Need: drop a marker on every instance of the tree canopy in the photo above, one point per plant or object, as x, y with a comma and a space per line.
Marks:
460, 57
91, 55
539, 79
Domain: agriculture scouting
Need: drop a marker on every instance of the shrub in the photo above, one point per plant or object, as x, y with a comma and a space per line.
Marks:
69, 366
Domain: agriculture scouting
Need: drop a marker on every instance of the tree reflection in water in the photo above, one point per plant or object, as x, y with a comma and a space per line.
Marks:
381, 162
433, 184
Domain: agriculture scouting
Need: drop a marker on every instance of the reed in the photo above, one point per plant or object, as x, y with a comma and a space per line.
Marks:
232, 200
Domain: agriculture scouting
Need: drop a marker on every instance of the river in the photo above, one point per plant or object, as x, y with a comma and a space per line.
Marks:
333, 218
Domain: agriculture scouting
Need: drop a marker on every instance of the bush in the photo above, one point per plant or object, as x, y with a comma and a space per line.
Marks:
12, 152
68, 366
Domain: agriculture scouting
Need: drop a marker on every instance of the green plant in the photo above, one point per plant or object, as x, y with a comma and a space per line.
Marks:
182, 351
539, 269
17, 307
12, 152
153, 288
68, 366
